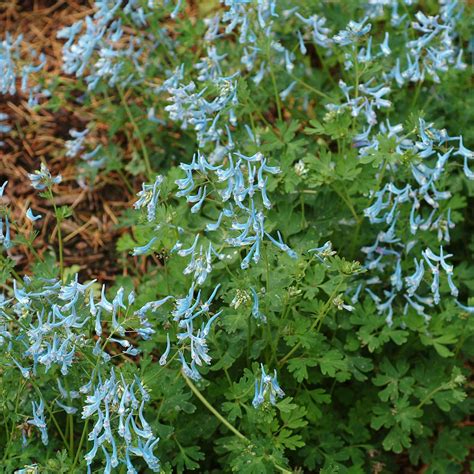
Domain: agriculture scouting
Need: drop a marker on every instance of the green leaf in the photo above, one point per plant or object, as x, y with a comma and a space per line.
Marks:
299, 367
333, 365
288, 440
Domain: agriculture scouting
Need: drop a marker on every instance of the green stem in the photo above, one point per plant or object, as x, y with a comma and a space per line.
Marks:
309, 87
224, 421
213, 410
415, 97
126, 181
432, 394
81, 442
249, 336
319, 319
28, 243
146, 157
51, 414
266, 327
347, 202
10, 437
60, 235
275, 88
286, 310
70, 422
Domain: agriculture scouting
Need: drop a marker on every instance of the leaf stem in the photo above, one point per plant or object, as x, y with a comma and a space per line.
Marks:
232, 428
204, 401
309, 87
275, 88
146, 157
433, 392
319, 319
60, 235
348, 203
81, 442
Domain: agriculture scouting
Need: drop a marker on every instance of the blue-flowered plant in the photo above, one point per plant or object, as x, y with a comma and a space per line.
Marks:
298, 258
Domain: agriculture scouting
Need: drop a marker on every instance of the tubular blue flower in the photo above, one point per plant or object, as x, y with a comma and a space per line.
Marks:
184, 305
429, 256
268, 386
281, 245
255, 308
30, 216
42, 178
148, 197
5, 238
323, 252
210, 227
175, 11
68, 409
452, 287
206, 328
355, 296
365, 54
39, 420
384, 47
253, 254
153, 305
145, 248
419, 308
469, 174
2, 188
352, 33
285, 93
70, 32
25, 373
190, 372
149, 457
197, 207
413, 281
164, 356
258, 398
74, 147
468, 309
396, 278
190, 250
302, 46
318, 31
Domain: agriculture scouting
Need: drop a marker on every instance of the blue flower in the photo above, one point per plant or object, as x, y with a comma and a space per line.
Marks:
2, 188
74, 147
281, 245
164, 356
385, 48
39, 420
31, 216
5, 238
255, 308
285, 93
42, 179
268, 386
189, 371
352, 33
144, 248
148, 197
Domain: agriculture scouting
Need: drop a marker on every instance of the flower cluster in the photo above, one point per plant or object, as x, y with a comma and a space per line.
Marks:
14, 67
117, 407
268, 387
44, 326
429, 211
